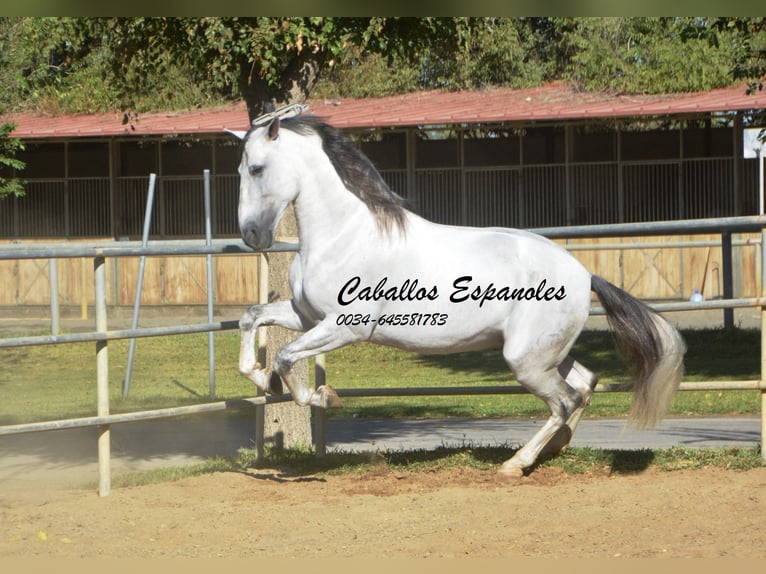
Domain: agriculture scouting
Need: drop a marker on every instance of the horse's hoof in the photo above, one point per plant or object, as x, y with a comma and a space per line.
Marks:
510, 473
258, 377
329, 396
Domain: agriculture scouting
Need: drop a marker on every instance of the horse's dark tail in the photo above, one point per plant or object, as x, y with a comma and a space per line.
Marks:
650, 345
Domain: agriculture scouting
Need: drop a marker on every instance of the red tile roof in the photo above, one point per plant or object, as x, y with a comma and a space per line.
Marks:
556, 101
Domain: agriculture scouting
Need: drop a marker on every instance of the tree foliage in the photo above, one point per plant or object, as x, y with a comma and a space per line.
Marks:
9, 147
149, 63
643, 55
749, 61
259, 59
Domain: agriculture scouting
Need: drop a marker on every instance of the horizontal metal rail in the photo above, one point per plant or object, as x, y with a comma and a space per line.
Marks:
510, 389
744, 385
84, 422
228, 247
135, 249
683, 227
702, 305
93, 336
655, 245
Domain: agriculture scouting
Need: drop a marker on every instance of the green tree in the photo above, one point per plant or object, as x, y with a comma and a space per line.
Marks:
483, 52
52, 64
9, 147
749, 38
66, 65
267, 59
142, 64
642, 55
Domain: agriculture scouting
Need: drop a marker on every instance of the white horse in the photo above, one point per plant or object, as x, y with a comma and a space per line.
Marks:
370, 270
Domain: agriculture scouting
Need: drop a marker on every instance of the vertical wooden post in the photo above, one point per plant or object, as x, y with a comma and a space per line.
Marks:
320, 415
728, 278
53, 278
763, 342
263, 298
210, 284
102, 378
83, 290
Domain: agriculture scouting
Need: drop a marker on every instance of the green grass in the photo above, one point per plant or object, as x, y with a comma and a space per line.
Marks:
712, 355
58, 381
303, 462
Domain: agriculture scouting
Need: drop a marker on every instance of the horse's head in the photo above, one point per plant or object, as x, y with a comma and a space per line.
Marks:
267, 184
275, 167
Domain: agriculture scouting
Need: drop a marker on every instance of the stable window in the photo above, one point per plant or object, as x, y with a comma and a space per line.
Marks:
544, 145
138, 158
389, 151
491, 149
44, 160
650, 145
88, 159
186, 157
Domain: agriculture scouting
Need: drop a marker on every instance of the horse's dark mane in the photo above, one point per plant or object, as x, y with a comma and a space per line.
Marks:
355, 170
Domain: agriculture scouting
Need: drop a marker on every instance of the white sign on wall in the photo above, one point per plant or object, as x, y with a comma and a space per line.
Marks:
753, 146
750, 142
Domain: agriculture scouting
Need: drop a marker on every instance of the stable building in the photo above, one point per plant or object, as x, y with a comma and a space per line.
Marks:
539, 157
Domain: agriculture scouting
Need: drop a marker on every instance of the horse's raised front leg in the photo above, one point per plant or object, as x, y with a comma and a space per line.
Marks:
325, 336
282, 314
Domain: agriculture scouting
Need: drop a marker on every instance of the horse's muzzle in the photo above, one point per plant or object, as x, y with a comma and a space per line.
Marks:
257, 238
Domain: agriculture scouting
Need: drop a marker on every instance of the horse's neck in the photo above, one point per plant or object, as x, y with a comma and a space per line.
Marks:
327, 212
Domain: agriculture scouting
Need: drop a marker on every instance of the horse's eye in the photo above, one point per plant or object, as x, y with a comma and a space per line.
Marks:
256, 170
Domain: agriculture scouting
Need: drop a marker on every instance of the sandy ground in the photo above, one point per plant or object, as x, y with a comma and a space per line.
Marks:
388, 513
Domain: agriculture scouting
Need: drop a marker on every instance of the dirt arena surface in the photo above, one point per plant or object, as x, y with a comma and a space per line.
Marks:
387, 513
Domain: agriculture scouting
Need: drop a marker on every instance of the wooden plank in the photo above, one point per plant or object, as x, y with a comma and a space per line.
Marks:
8, 282
236, 280
185, 280
33, 283
153, 289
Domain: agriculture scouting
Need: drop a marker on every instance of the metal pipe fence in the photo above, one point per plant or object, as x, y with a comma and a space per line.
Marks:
102, 335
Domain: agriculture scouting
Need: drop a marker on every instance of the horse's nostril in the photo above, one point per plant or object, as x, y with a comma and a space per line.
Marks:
250, 236
257, 238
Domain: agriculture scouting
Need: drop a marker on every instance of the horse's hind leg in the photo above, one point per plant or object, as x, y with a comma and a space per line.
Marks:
582, 380
563, 400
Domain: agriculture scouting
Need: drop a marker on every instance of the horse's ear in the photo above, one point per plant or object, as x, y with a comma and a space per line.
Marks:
274, 129
236, 134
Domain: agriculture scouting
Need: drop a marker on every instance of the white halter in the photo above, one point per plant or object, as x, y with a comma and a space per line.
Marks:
284, 112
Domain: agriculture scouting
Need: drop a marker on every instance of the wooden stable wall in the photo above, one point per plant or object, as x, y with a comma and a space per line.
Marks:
672, 273
167, 281
648, 273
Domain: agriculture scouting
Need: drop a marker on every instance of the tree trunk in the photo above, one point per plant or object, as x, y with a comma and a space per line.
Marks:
296, 82
286, 425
